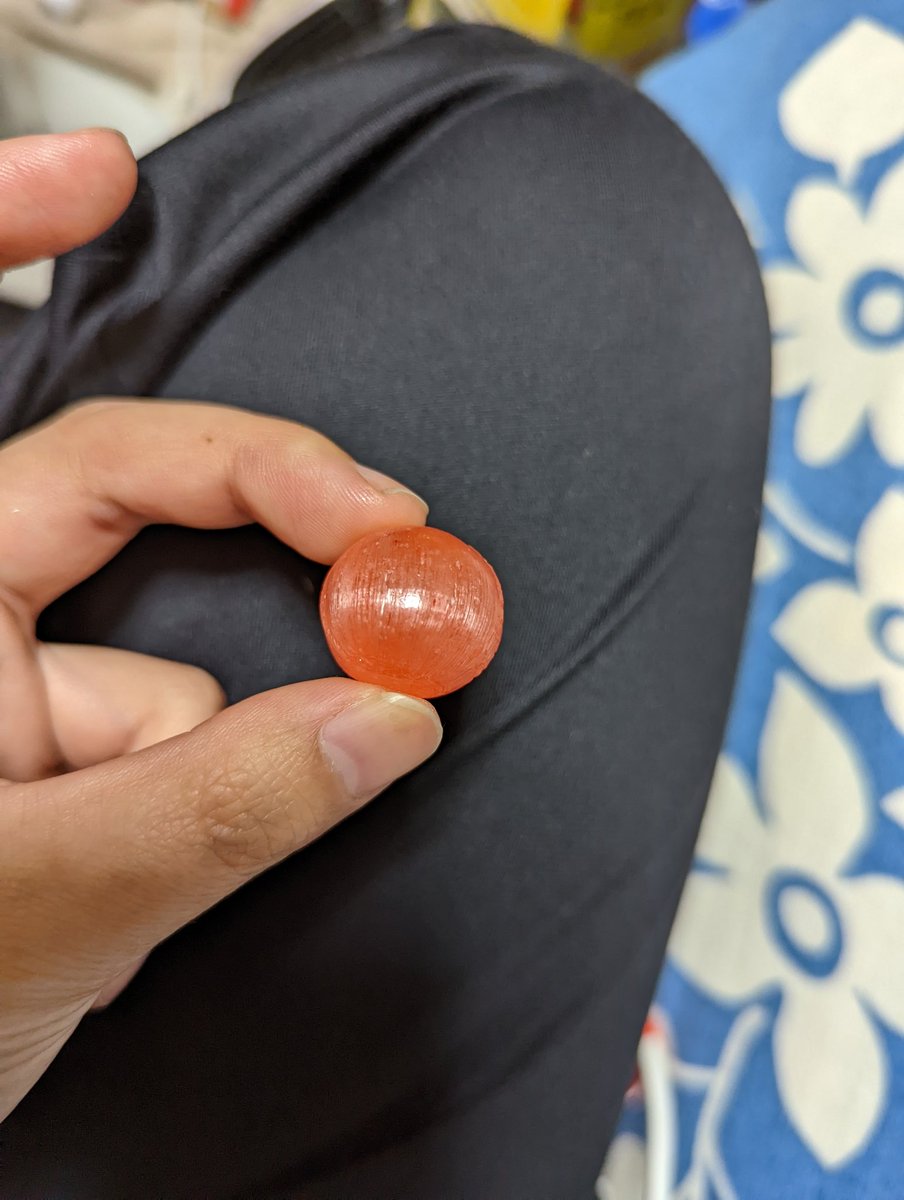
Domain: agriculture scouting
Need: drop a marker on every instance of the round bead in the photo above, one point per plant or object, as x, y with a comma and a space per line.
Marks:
412, 610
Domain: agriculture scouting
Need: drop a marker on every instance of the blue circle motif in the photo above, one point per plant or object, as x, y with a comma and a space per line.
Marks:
820, 962
870, 282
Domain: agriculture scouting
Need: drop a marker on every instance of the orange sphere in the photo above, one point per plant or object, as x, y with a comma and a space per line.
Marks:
412, 610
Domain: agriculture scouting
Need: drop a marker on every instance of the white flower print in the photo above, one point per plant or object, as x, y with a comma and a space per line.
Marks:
838, 318
893, 806
771, 557
846, 103
851, 636
773, 907
622, 1176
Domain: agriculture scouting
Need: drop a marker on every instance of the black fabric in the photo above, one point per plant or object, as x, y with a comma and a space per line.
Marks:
339, 30
11, 320
506, 278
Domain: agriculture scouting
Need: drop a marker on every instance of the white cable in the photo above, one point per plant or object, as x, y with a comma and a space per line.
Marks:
662, 1123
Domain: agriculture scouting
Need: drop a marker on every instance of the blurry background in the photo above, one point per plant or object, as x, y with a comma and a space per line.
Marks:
154, 67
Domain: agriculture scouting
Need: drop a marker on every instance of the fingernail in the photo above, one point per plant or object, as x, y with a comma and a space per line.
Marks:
119, 133
387, 485
375, 742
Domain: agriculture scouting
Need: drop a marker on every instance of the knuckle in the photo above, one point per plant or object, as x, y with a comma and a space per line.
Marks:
251, 817
94, 436
278, 448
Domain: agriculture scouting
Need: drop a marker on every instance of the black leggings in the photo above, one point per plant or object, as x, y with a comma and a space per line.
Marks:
507, 279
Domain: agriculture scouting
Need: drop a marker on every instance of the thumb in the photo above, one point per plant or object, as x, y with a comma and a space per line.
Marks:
61, 190
128, 851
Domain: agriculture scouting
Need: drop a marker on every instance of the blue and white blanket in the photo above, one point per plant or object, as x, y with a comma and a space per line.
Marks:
784, 990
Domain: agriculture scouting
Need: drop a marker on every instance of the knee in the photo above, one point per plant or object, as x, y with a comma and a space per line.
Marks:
627, 261
612, 304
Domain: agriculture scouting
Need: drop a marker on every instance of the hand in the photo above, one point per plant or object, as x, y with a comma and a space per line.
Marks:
129, 802
60, 192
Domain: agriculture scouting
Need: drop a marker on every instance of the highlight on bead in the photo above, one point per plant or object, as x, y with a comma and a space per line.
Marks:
412, 610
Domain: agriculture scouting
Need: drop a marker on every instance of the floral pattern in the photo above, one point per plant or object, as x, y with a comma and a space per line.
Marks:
850, 635
784, 987
839, 317
778, 908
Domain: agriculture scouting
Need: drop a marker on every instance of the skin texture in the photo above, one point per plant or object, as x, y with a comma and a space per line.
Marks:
130, 799
60, 192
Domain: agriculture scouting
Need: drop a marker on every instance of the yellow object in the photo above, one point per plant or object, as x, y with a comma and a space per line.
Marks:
540, 19
421, 14
630, 32
619, 29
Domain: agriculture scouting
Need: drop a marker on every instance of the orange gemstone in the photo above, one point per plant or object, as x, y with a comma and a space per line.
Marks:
412, 610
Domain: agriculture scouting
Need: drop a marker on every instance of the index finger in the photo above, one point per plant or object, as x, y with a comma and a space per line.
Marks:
75, 490
58, 191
